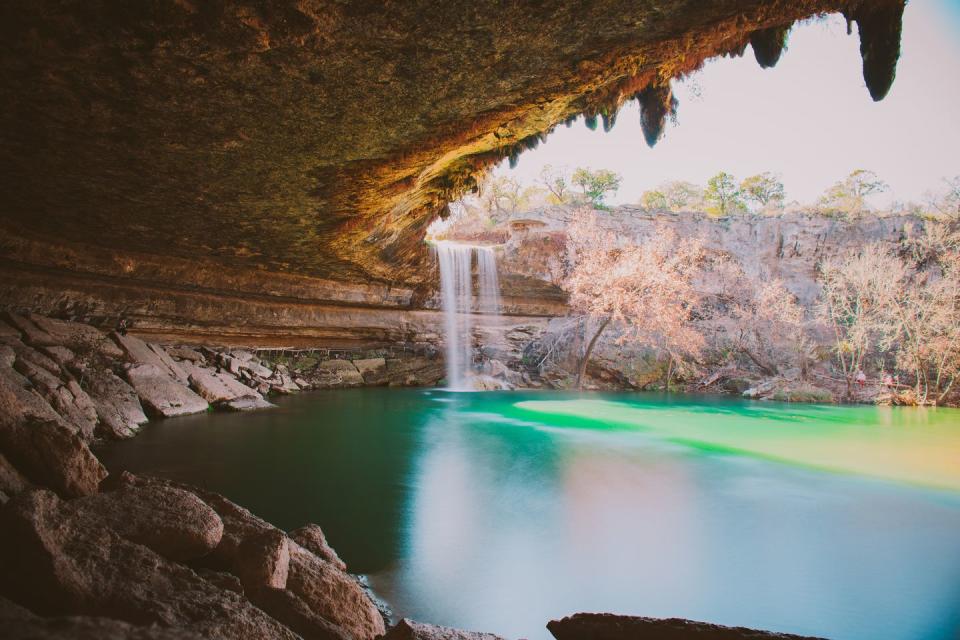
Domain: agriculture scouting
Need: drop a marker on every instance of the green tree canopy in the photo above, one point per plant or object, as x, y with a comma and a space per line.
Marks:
849, 195
654, 199
723, 196
596, 185
764, 190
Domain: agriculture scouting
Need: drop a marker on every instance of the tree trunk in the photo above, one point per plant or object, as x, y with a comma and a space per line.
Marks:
586, 356
669, 373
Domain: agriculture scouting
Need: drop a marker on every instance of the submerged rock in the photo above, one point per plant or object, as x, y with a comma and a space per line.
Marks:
608, 626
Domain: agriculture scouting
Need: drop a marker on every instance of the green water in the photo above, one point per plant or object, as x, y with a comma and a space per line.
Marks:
500, 511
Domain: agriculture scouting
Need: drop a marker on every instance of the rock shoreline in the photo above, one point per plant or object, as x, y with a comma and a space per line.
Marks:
87, 555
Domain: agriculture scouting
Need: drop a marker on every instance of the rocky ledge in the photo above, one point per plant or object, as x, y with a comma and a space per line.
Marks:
64, 384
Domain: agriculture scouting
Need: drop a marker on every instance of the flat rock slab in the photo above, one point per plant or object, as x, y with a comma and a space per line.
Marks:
139, 352
607, 626
161, 394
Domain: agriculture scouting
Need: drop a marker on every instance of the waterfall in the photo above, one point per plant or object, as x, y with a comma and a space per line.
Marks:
456, 295
488, 286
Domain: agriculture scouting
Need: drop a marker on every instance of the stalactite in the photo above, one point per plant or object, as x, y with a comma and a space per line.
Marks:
656, 103
880, 25
609, 121
590, 119
768, 45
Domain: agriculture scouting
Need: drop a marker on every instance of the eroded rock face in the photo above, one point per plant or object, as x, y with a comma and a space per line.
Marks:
607, 626
311, 137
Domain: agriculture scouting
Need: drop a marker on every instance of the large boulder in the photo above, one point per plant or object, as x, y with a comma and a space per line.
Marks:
607, 626
116, 404
57, 568
311, 538
173, 522
162, 395
410, 630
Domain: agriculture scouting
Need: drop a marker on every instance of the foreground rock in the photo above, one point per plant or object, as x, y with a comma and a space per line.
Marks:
18, 622
607, 626
311, 594
56, 568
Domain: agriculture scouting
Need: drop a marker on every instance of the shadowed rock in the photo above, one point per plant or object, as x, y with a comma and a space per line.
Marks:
607, 626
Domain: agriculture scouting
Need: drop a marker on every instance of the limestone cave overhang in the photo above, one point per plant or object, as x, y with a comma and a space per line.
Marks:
320, 137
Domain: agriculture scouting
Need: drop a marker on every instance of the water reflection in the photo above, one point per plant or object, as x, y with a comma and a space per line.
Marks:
471, 511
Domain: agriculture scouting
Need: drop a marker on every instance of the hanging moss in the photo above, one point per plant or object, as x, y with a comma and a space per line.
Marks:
768, 45
656, 103
591, 121
880, 25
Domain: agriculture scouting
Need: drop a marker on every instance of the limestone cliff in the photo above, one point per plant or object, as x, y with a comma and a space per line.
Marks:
319, 138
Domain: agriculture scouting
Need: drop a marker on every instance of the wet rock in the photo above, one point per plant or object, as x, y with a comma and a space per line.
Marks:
248, 403
373, 370
161, 394
311, 538
263, 560
56, 568
607, 626
333, 594
173, 522
116, 405
410, 630
488, 383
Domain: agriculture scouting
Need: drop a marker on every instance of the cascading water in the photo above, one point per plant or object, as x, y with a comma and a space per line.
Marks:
456, 294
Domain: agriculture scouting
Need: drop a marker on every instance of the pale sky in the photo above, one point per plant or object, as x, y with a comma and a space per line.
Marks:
809, 119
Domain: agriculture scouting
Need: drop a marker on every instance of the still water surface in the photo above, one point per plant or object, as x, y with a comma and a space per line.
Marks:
500, 511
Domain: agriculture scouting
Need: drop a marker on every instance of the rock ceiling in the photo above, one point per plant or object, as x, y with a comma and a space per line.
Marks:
320, 137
